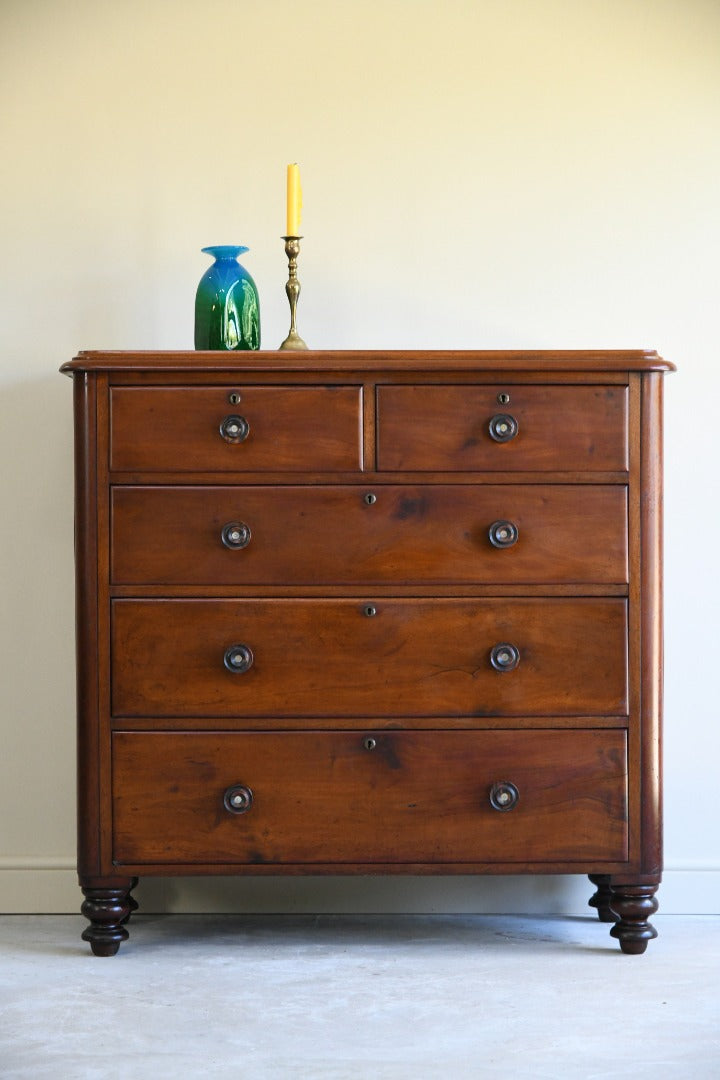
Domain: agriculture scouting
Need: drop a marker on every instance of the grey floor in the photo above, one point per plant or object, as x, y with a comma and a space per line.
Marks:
341, 997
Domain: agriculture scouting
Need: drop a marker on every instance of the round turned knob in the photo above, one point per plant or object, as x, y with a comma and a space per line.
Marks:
503, 427
504, 657
503, 534
238, 658
503, 795
234, 429
236, 534
238, 799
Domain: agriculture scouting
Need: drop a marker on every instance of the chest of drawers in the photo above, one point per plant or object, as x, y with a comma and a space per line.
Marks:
369, 613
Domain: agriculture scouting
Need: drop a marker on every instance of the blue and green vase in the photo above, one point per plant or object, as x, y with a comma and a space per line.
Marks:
227, 306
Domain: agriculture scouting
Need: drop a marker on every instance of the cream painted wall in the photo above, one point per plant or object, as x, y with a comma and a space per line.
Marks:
477, 173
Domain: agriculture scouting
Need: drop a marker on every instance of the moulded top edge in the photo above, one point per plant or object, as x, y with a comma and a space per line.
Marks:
376, 360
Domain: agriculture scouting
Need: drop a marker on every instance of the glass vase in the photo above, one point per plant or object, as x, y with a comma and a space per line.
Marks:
227, 306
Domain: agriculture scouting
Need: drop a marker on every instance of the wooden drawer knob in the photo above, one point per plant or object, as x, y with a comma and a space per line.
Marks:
503, 795
503, 534
504, 657
503, 427
238, 799
238, 659
234, 429
235, 535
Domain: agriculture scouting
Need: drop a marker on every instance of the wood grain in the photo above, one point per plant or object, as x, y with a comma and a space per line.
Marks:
368, 618
86, 626
429, 534
327, 657
294, 428
538, 361
321, 797
559, 427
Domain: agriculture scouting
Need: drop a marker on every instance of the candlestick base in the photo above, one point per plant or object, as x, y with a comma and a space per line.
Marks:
293, 341
292, 288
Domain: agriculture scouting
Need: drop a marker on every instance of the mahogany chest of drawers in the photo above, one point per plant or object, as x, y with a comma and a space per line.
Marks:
369, 613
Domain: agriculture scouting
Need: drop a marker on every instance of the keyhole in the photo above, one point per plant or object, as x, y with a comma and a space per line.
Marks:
234, 398
503, 399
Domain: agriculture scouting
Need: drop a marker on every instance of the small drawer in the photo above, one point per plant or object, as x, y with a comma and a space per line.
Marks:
376, 657
467, 428
269, 429
433, 534
339, 797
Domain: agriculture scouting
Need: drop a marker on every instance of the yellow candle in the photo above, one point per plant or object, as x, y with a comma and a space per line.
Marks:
294, 200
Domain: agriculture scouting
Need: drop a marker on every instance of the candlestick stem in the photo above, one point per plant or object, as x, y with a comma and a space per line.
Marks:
292, 288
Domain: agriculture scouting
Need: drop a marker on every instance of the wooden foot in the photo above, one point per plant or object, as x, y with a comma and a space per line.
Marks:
131, 901
600, 899
634, 904
107, 910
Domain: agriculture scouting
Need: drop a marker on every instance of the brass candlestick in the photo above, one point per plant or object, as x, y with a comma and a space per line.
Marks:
292, 250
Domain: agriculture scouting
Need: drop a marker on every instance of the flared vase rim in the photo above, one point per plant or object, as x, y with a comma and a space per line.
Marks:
225, 251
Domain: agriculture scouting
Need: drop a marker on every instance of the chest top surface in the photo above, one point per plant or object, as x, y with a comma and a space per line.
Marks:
396, 360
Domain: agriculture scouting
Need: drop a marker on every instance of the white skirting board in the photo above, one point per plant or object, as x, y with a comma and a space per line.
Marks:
49, 886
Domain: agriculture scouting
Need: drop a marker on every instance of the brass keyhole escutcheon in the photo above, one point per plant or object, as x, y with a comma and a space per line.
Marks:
369, 743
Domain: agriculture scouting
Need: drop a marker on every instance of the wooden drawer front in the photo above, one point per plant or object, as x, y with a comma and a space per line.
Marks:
447, 427
315, 535
329, 658
322, 797
289, 428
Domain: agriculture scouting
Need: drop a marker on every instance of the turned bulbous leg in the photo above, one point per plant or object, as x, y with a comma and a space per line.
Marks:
107, 909
600, 899
131, 901
633, 904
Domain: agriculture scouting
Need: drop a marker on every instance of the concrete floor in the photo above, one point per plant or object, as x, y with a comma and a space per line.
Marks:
367, 997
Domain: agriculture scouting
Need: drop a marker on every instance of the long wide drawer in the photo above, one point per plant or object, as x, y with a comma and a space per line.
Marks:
270, 428
385, 797
435, 657
467, 428
346, 534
